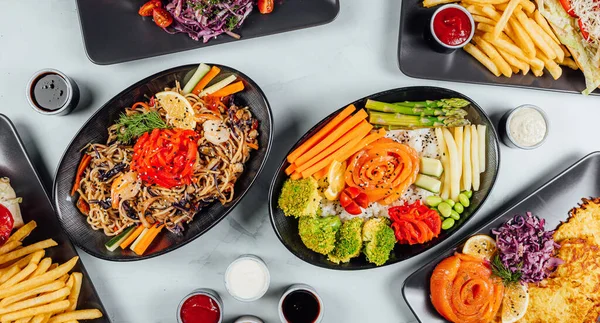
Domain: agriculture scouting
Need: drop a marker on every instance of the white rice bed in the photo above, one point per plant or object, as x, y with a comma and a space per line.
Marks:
421, 140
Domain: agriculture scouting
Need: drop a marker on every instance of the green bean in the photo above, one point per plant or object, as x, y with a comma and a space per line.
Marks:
433, 200
463, 199
468, 193
448, 223
451, 202
455, 215
445, 209
459, 208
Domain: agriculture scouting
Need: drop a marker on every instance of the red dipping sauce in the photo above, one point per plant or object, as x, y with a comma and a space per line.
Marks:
200, 309
452, 26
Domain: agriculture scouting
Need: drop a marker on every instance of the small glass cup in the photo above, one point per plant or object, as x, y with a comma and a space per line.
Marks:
248, 319
505, 135
301, 287
261, 264
206, 292
72, 93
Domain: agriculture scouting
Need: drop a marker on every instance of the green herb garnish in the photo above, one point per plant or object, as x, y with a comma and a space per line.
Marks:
508, 277
232, 22
135, 125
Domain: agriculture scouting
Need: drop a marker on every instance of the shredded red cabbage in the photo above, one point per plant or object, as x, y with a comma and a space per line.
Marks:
524, 246
208, 19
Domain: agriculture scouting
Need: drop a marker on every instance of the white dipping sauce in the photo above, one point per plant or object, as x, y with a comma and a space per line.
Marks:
247, 279
527, 127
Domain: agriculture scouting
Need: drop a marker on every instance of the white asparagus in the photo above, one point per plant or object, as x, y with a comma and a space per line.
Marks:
482, 138
458, 137
475, 157
454, 167
466, 174
445, 191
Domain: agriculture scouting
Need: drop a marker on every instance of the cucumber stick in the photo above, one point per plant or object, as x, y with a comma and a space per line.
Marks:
140, 238
219, 85
429, 183
198, 75
114, 243
431, 167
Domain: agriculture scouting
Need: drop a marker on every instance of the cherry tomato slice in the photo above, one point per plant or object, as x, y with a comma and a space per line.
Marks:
162, 18
584, 32
345, 199
265, 6
353, 208
362, 200
147, 8
6, 224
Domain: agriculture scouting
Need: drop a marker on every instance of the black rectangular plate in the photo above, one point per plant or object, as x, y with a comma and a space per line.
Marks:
416, 59
113, 32
15, 164
551, 202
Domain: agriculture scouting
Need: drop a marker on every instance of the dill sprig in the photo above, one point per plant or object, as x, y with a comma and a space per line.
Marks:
508, 277
135, 125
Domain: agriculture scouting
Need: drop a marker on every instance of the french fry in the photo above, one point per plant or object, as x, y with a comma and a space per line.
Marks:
75, 290
466, 172
27, 250
41, 318
23, 232
433, 3
526, 5
493, 54
510, 8
24, 320
37, 256
570, 63
475, 10
522, 38
39, 280
19, 277
9, 246
9, 273
443, 151
514, 69
43, 309
482, 58
485, 27
538, 40
50, 287
506, 46
53, 266
541, 21
482, 19
551, 66
565, 50
474, 158
490, 11
36, 301
560, 55
537, 72
482, 2
513, 61
43, 266
76, 315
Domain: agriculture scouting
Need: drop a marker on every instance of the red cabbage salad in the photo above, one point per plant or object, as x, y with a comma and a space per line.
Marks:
525, 248
207, 19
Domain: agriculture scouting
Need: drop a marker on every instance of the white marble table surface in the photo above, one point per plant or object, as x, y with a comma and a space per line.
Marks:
305, 74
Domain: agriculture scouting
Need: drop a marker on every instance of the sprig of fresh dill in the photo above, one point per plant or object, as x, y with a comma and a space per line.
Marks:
508, 277
135, 125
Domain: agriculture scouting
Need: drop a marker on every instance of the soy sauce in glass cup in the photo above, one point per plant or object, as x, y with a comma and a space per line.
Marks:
300, 304
51, 92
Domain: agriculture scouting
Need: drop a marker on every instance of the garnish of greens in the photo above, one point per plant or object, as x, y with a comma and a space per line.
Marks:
508, 276
135, 125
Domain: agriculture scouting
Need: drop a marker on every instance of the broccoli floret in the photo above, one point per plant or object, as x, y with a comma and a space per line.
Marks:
300, 197
349, 241
379, 240
318, 234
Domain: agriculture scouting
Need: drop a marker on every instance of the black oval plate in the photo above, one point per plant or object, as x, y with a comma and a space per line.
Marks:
286, 228
94, 130
16, 165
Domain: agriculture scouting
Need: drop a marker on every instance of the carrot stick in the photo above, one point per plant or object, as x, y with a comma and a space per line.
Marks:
145, 243
229, 89
214, 71
290, 169
296, 176
85, 161
310, 142
308, 158
253, 146
360, 131
362, 144
320, 174
323, 163
136, 233
142, 104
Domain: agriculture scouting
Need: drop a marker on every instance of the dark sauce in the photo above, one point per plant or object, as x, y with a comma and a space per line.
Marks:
49, 91
301, 306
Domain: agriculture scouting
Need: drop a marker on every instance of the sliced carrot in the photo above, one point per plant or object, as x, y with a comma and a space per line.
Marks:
320, 174
296, 176
136, 233
229, 89
361, 144
307, 159
145, 243
290, 169
253, 146
310, 142
85, 161
359, 131
142, 104
323, 163
214, 71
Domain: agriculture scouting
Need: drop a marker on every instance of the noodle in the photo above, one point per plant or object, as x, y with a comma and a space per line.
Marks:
217, 168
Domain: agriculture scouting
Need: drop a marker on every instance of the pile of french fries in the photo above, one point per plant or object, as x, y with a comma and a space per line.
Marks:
512, 36
33, 289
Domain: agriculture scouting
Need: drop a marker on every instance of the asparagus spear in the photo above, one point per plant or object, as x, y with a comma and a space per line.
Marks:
407, 121
417, 111
442, 103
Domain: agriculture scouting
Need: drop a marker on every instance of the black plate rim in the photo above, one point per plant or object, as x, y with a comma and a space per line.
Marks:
83, 270
446, 79
230, 207
491, 220
311, 130
117, 61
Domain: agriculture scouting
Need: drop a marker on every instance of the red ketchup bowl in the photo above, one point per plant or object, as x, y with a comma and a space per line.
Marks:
200, 306
452, 27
